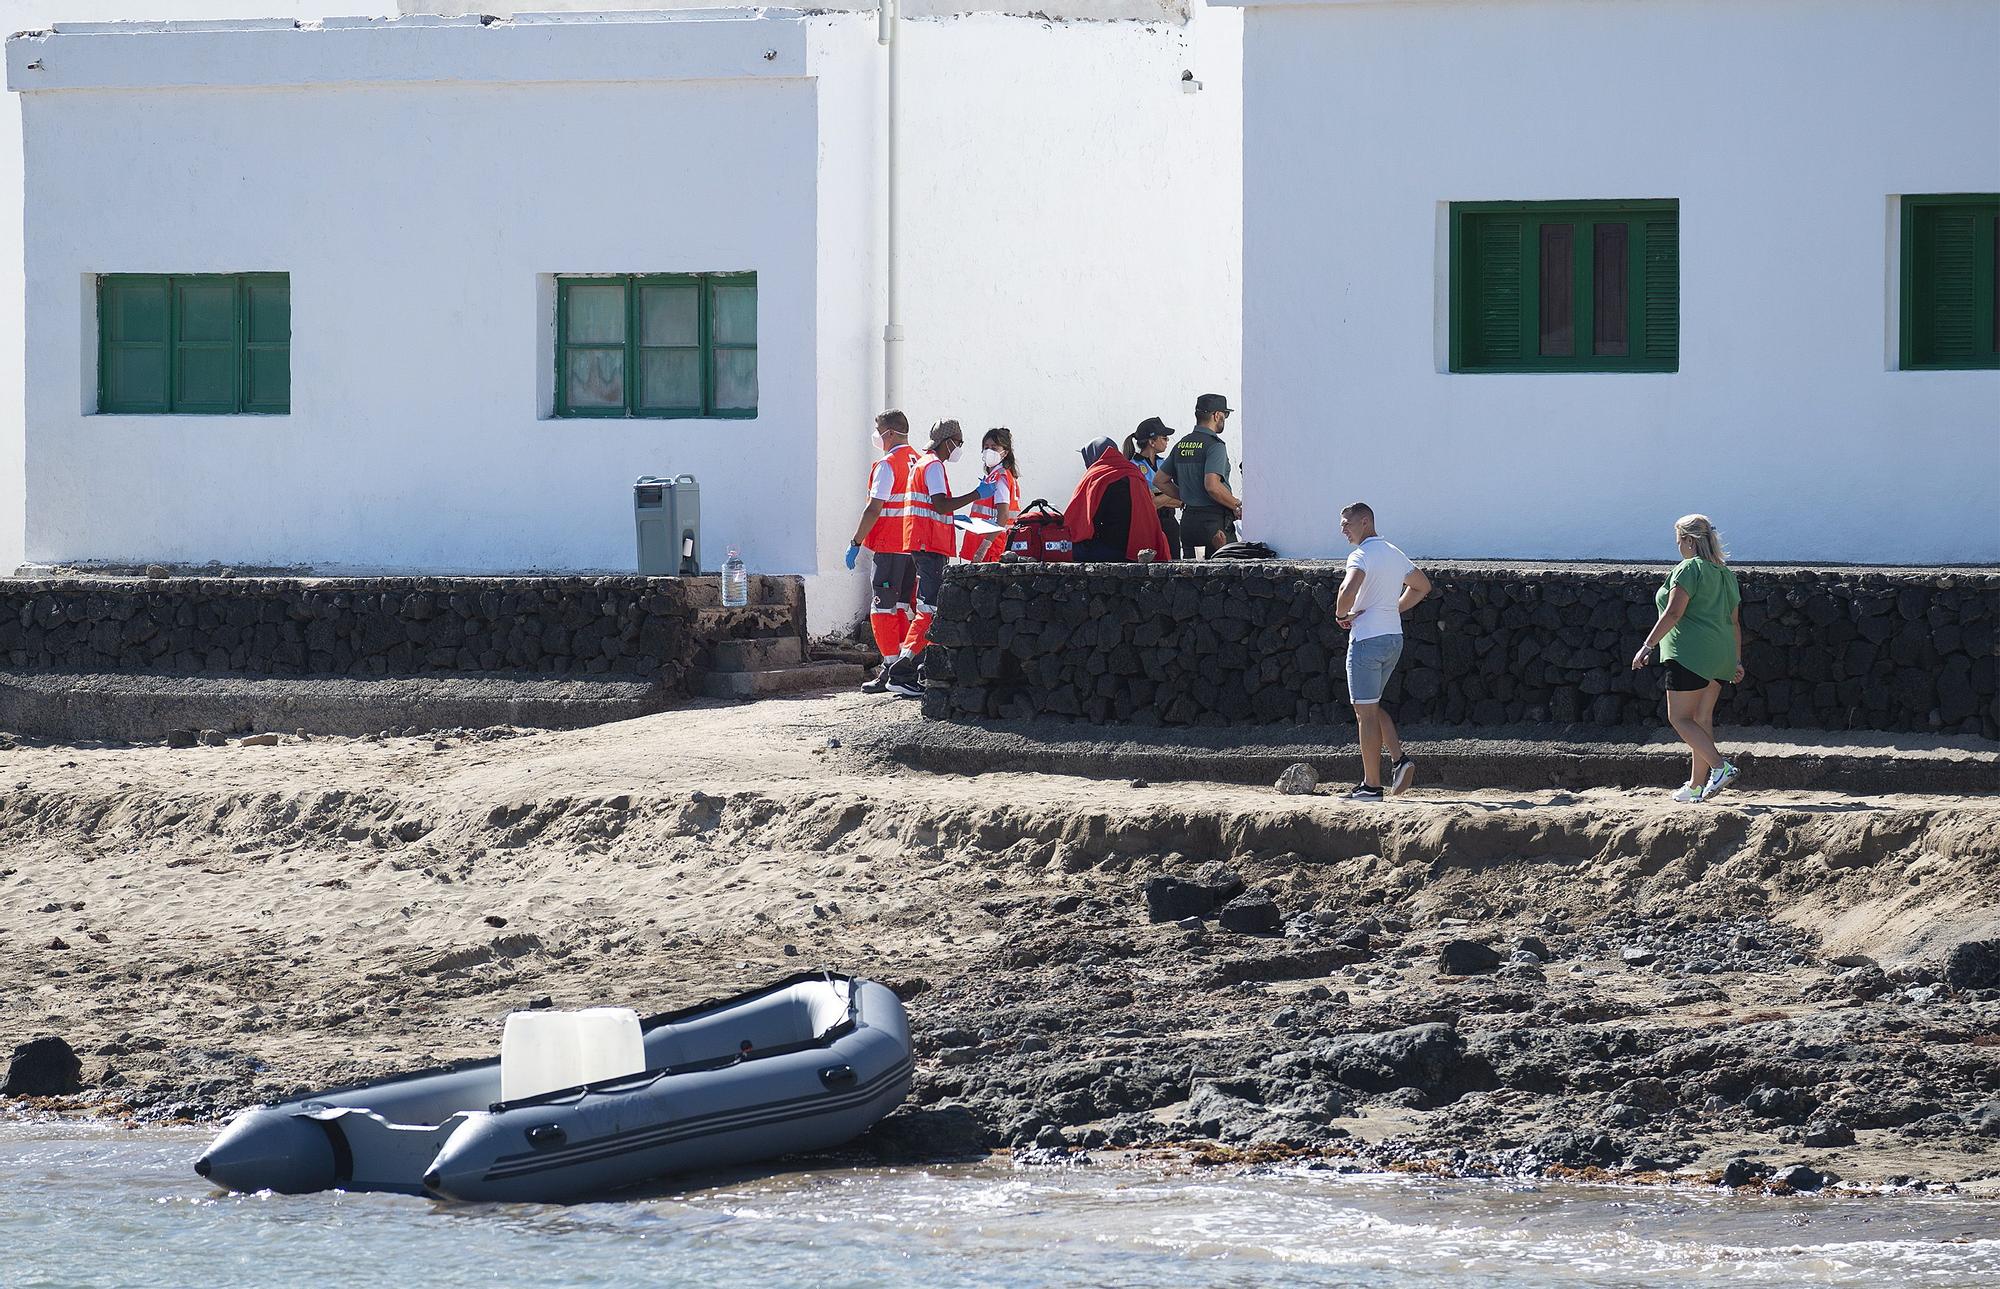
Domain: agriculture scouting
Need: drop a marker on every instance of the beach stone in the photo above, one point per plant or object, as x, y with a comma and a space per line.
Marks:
1431, 1058
42, 1067
1975, 964
182, 738
1252, 913
264, 740
1169, 899
1801, 1177
1827, 1132
1467, 958
1744, 1172
1636, 957
1298, 780
1785, 1105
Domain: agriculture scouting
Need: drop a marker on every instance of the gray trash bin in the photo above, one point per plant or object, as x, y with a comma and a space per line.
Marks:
667, 514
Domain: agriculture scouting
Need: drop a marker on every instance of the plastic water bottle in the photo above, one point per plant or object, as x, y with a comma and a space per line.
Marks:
735, 581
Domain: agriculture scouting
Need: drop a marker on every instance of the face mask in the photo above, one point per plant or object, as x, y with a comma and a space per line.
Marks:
957, 451
990, 457
876, 439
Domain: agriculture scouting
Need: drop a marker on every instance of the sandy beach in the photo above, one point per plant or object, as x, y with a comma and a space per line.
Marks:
1758, 978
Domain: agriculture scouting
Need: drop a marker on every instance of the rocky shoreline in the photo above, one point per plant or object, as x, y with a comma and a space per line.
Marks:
1541, 985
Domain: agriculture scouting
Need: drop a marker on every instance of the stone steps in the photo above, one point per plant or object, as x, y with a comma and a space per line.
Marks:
758, 653
777, 680
750, 620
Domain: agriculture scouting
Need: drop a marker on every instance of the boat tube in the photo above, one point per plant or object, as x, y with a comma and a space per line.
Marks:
806, 1063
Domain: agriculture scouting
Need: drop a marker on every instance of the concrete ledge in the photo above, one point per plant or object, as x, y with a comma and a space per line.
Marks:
1507, 758
74, 707
778, 680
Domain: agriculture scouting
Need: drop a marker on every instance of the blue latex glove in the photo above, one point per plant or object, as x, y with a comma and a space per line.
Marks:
985, 490
853, 553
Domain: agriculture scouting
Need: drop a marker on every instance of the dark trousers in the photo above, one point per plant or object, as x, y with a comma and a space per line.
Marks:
1199, 526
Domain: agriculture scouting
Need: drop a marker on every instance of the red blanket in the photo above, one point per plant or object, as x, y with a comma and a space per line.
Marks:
1114, 470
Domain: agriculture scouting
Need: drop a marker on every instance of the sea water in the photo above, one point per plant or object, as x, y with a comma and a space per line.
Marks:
89, 1205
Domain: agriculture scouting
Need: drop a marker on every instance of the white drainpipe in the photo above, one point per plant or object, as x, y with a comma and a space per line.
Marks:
892, 331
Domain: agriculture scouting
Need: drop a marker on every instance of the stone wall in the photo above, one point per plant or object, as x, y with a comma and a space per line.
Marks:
389, 626
1255, 643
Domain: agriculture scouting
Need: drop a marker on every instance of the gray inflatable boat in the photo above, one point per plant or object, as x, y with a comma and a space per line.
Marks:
806, 1063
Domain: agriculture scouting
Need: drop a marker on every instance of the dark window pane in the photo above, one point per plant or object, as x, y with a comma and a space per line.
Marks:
1558, 305
1996, 284
135, 378
208, 308
1608, 280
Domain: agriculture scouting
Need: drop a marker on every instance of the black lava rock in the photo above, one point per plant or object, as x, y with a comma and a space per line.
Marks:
1252, 913
1744, 1172
1828, 1132
1428, 1058
43, 1067
1974, 965
1801, 1178
1467, 958
1786, 1105
1169, 899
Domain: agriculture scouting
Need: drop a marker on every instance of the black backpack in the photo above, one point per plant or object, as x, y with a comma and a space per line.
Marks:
1243, 550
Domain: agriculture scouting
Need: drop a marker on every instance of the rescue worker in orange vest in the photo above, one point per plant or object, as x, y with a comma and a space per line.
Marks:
905, 530
996, 456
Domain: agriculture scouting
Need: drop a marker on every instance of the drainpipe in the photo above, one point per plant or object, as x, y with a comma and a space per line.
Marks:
887, 12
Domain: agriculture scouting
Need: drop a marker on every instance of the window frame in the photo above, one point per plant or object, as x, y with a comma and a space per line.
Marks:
239, 345
1984, 287
1586, 213
632, 409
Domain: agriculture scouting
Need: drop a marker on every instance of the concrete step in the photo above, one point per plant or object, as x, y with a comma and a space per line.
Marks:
750, 620
778, 680
760, 653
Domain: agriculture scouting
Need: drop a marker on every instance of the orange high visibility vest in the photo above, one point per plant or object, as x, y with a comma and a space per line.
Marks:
986, 549
887, 535
924, 529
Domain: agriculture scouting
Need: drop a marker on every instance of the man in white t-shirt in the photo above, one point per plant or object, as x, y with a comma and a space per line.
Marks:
1380, 587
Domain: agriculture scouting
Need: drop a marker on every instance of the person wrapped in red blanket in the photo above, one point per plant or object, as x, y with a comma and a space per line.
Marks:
1111, 516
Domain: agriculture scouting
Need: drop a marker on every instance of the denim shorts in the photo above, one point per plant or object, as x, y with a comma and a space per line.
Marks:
1369, 663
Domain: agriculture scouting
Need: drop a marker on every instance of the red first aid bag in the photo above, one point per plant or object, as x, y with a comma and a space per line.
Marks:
1038, 533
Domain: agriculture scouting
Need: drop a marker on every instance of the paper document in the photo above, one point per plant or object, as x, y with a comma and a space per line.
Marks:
979, 526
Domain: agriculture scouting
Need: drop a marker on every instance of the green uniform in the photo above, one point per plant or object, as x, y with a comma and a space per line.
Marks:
1704, 640
1198, 455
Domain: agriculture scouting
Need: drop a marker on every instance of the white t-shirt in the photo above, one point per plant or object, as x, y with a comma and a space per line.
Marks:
882, 482
934, 481
1003, 497
1375, 607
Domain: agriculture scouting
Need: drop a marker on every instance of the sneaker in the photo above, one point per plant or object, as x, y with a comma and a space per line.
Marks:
1363, 792
1688, 792
878, 683
1401, 775
903, 682
1721, 777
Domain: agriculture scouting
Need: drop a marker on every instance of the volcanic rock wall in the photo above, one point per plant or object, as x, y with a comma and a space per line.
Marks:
1255, 643
399, 626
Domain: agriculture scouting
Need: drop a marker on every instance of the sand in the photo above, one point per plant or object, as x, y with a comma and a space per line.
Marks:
213, 926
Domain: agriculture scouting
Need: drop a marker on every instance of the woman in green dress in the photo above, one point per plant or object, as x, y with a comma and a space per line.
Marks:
1700, 641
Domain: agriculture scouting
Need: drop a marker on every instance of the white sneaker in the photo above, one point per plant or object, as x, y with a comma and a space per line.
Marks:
1722, 776
1687, 792
1401, 775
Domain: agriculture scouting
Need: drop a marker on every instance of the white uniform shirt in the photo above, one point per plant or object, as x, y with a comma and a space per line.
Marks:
1375, 607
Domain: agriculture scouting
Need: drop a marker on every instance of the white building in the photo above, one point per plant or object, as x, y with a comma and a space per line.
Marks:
703, 192
1819, 373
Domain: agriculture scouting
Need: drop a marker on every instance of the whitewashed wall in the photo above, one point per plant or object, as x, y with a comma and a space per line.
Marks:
20, 15
1785, 129
420, 224
1071, 260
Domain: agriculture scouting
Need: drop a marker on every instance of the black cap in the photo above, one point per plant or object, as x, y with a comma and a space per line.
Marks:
1211, 403
1152, 428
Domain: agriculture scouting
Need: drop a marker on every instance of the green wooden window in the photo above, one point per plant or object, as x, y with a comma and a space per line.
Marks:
1565, 286
1951, 281
205, 343
657, 345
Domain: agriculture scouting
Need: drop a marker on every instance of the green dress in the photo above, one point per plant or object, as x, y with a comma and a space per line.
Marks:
1703, 641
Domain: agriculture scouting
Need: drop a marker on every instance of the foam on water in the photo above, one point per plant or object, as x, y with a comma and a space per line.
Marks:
88, 1206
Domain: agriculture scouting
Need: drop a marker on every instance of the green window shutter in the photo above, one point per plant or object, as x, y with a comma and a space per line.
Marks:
133, 343
1660, 293
1949, 288
591, 330
732, 331
670, 327
1496, 309
267, 334
662, 345
205, 344
1577, 286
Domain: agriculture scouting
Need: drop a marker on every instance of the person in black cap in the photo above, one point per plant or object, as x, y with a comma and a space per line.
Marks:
1146, 447
1197, 474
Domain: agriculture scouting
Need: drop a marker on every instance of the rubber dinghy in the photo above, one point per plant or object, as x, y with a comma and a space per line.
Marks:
803, 1064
